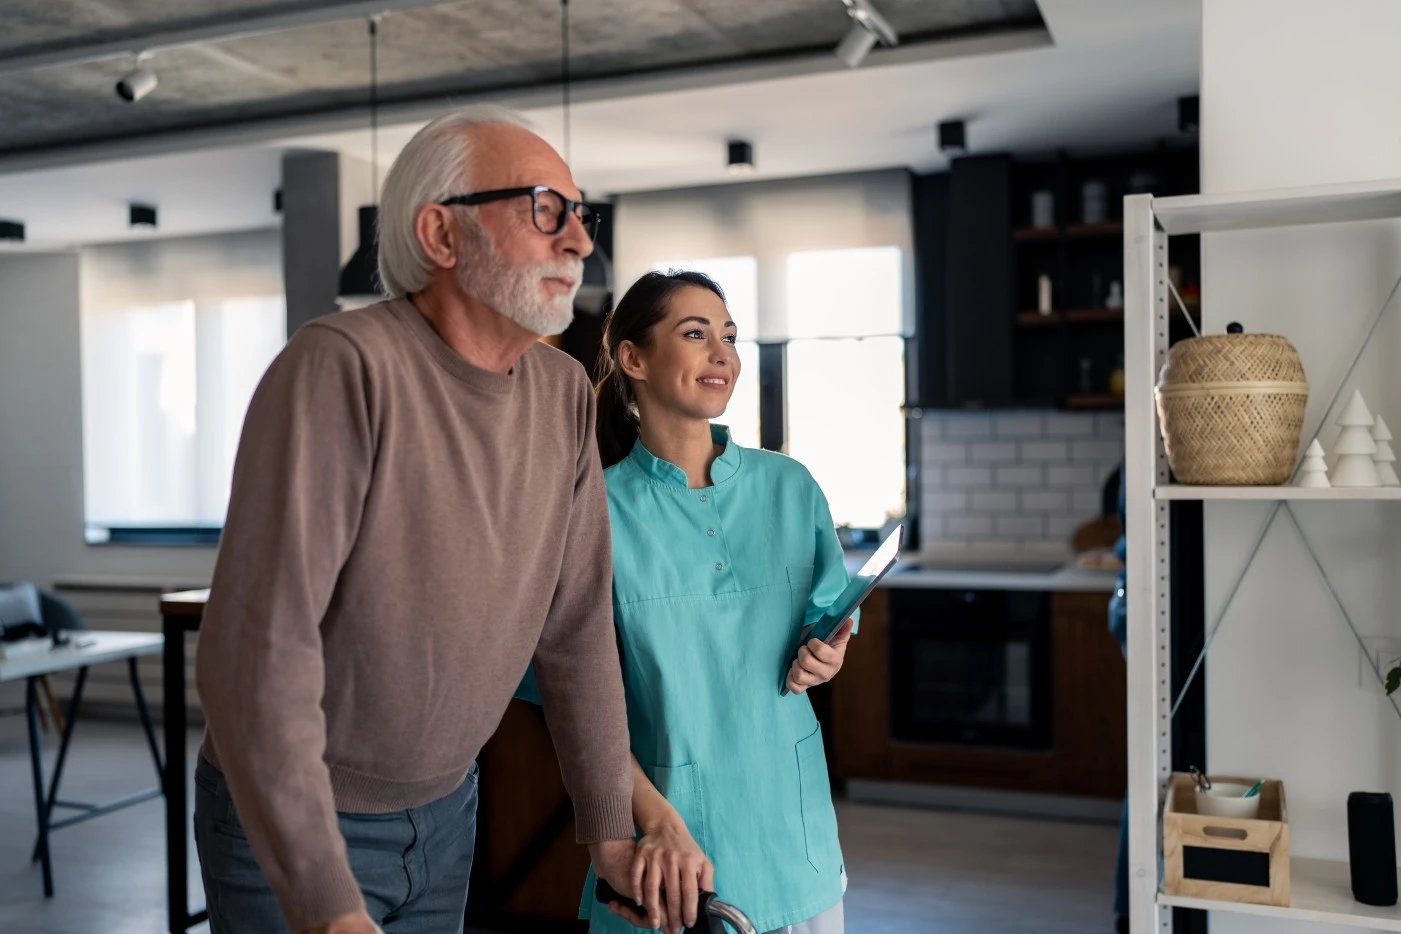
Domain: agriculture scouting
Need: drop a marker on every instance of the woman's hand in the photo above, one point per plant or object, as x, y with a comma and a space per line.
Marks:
817, 662
670, 872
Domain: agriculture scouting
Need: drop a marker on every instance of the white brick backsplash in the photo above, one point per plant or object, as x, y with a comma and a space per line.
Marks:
994, 501
1085, 503
1061, 527
1045, 451
993, 452
1017, 477
967, 478
1020, 526
1019, 426
1070, 425
1013, 482
1045, 500
1080, 476
1109, 425
1096, 451
966, 526
944, 501
967, 426
946, 452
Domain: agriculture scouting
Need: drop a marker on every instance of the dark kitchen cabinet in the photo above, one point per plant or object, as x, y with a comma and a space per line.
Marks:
983, 261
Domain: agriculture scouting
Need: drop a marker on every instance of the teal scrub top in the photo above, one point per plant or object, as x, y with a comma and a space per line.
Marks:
711, 588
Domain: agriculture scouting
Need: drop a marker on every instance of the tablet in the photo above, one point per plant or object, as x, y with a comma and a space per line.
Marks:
876, 567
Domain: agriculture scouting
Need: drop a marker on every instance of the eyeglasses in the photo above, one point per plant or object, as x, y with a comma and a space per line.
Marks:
549, 209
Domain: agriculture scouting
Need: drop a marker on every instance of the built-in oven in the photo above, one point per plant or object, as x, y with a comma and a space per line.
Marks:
971, 667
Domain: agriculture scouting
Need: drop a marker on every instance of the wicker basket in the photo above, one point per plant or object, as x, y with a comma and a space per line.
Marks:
1231, 407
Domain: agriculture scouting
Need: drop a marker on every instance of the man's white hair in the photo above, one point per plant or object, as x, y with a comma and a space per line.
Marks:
436, 164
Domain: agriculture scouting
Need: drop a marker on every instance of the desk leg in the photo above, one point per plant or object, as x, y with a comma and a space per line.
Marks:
73, 705
145, 714
41, 811
176, 815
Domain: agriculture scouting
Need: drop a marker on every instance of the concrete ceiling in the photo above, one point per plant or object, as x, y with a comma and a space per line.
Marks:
432, 51
1099, 76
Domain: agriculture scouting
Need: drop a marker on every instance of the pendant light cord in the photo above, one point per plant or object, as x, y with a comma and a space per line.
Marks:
374, 108
564, 70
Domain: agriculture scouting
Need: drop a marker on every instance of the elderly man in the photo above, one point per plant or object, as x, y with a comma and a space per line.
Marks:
417, 512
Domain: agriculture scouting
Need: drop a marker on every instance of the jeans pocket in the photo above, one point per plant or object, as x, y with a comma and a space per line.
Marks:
815, 800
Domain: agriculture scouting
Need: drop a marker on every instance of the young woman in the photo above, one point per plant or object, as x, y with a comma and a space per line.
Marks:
721, 555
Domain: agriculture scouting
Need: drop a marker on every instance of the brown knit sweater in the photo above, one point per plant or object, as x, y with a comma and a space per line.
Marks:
405, 533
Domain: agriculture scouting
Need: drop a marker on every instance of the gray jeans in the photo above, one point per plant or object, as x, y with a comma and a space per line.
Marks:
413, 866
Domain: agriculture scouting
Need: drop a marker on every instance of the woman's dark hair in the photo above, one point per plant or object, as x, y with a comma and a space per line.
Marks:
632, 319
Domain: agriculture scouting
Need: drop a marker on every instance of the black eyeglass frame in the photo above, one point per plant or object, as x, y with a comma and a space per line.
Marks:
587, 214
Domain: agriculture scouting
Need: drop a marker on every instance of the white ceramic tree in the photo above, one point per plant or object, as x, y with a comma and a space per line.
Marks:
1355, 447
1314, 472
1383, 457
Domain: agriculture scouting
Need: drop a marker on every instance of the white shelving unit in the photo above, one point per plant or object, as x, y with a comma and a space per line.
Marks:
1321, 889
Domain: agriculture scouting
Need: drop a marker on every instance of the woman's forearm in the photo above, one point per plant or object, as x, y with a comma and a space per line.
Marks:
650, 809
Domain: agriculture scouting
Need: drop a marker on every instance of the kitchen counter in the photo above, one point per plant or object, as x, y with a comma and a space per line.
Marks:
913, 572
1064, 579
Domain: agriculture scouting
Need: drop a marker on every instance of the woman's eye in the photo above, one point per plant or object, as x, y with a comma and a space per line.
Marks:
697, 334
730, 338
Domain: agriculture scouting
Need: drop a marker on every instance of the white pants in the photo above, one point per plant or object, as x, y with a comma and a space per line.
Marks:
829, 922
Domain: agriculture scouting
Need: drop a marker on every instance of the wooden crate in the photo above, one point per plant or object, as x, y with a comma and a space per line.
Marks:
1222, 857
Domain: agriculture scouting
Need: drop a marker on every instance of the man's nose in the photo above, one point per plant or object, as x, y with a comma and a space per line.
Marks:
574, 238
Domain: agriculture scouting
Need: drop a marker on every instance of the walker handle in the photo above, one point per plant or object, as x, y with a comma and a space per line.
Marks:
605, 893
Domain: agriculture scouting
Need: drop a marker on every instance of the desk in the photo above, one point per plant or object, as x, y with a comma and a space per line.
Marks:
180, 613
84, 649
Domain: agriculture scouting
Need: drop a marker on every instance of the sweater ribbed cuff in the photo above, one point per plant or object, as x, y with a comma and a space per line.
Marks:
604, 818
324, 894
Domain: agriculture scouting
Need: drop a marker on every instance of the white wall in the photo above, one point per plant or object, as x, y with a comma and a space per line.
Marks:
1296, 92
41, 437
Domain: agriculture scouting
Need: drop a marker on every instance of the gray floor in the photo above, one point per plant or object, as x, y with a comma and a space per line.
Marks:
911, 871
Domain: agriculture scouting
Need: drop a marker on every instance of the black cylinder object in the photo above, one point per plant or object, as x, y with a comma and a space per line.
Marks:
1371, 837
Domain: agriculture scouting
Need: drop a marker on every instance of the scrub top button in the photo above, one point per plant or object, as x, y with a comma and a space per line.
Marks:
710, 532
704, 498
719, 566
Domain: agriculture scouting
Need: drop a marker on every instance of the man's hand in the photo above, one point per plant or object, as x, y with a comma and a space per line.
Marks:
355, 923
670, 871
818, 662
612, 862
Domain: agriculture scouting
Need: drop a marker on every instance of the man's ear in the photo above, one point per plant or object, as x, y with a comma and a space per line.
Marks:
631, 361
437, 234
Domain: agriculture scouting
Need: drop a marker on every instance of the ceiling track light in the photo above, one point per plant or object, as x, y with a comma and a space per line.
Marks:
141, 215
868, 27
12, 231
740, 157
139, 82
953, 137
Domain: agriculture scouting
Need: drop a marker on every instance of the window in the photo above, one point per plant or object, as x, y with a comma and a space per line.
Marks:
845, 379
738, 276
165, 389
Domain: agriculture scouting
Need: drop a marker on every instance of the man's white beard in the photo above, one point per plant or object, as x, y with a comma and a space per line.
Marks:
517, 292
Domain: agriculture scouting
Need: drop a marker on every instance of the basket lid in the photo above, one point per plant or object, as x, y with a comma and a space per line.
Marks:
1232, 358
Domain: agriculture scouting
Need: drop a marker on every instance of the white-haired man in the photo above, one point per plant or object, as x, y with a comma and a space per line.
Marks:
417, 512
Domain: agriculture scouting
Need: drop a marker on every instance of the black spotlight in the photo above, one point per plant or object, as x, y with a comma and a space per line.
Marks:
12, 231
952, 138
142, 215
741, 157
1188, 113
277, 201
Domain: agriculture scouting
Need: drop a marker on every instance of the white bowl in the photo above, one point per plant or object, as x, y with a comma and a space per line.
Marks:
1224, 800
